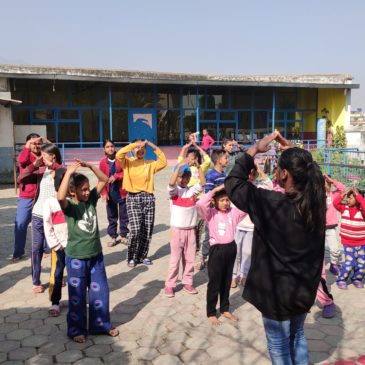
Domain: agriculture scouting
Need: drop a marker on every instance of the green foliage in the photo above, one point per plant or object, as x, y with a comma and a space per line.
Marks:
339, 139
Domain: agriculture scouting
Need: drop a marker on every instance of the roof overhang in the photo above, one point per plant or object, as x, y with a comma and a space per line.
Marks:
149, 77
7, 101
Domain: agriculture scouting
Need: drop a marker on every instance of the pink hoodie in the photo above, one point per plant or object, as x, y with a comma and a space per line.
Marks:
222, 225
331, 213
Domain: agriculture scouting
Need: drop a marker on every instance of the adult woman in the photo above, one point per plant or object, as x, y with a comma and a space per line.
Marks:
138, 181
43, 170
288, 245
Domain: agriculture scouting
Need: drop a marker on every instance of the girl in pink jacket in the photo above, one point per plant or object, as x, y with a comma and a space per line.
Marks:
222, 221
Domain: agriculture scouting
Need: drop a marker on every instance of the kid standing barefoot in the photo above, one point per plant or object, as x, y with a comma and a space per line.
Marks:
183, 221
222, 222
84, 257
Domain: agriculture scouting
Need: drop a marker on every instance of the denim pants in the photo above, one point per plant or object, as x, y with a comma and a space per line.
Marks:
22, 219
38, 243
113, 212
286, 340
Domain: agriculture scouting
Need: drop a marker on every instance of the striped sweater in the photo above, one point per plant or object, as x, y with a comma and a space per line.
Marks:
55, 225
352, 228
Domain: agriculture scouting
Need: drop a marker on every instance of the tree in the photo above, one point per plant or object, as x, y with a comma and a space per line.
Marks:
339, 139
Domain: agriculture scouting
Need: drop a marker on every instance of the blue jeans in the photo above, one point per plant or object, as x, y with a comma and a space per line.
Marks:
22, 219
286, 340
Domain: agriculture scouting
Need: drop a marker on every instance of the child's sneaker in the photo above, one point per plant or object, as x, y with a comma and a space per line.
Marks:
358, 284
329, 310
342, 285
169, 292
335, 269
190, 289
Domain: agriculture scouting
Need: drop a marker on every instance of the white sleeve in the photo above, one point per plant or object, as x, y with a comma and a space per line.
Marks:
49, 232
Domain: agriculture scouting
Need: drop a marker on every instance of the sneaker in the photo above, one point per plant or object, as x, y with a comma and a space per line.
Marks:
131, 263
342, 285
358, 284
112, 242
190, 289
335, 269
145, 261
329, 311
123, 240
169, 292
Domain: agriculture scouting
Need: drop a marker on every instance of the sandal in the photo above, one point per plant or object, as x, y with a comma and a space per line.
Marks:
54, 310
38, 289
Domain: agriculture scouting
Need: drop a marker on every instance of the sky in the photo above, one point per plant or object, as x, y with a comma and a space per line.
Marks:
247, 37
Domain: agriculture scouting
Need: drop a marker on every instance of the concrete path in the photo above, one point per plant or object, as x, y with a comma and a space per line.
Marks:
153, 329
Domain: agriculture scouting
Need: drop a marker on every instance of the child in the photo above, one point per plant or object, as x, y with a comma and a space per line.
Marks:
331, 224
207, 141
222, 221
84, 257
183, 222
352, 232
114, 195
244, 232
42, 172
214, 178
195, 156
55, 230
138, 181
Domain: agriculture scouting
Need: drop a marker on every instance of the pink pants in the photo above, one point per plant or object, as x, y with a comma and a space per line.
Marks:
323, 295
183, 247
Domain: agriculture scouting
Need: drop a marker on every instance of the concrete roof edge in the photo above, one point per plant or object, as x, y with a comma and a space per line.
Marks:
92, 74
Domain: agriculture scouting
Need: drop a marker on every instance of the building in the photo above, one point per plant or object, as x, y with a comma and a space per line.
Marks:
80, 107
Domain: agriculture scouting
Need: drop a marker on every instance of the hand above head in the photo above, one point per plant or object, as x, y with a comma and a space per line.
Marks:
32, 141
284, 143
73, 167
218, 188
328, 179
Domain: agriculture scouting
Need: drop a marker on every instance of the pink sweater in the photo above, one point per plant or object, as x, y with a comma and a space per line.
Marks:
222, 225
331, 213
207, 142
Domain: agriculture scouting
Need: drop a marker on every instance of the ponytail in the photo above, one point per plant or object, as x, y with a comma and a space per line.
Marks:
309, 193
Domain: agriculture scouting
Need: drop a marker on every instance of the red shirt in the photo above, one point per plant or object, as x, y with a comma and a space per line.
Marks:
27, 188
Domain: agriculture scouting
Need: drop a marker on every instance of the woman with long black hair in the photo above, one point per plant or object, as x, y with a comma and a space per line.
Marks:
288, 244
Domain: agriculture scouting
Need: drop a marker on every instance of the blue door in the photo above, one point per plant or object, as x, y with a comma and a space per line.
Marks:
142, 125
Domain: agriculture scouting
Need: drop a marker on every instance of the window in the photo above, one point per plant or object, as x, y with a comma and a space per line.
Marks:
168, 97
227, 130
85, 93
260, 125
241, 98
54, 92
90, 126
51, 130
43, 114
244, 127
120, 125
120, 96
189, 121
20, 117
285, 98
189, 98
68, 132
263, 98
141, 97
68, 114
208, 116
168, 127
217, 98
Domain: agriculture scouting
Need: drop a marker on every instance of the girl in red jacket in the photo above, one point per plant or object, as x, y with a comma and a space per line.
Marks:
352, 232
114, 195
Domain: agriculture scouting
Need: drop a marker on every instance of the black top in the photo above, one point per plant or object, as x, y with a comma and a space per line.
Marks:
286, 261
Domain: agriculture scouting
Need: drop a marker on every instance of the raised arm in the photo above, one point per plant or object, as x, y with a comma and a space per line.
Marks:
102, 178
63, 189
161, 161
121, 155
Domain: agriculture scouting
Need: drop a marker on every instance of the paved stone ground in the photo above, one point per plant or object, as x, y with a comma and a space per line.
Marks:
153, 329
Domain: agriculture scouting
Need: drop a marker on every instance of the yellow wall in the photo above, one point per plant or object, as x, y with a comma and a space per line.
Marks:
335, 101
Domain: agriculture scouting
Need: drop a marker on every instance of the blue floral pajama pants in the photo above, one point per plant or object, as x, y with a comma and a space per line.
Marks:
87, 276
354, 261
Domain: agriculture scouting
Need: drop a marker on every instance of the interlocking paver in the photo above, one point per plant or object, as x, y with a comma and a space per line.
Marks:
153, 329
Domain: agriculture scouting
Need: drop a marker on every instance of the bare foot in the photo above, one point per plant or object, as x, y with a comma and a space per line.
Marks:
79, 339
234, 283
243, 281
214, 321
230, 316
113, 332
